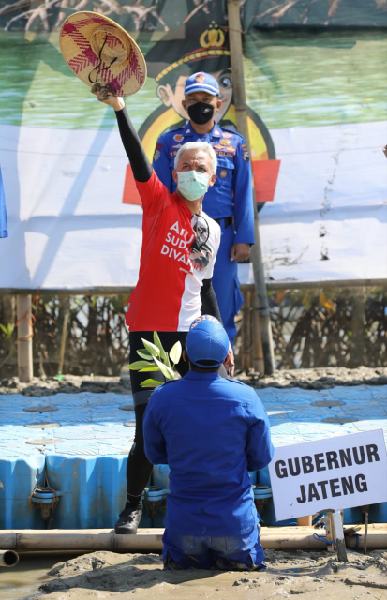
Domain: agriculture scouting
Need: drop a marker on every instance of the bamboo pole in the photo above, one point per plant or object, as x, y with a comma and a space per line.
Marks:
239, 100
358, 327
338, 539
74, 541
247, 333
8, 558
258, 359
65, 302
24, 337
305, 521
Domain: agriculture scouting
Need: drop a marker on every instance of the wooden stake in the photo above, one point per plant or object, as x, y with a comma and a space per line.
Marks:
338, 536
258, 361
358, 327
239, 100
63, 340
24, 338
304, 521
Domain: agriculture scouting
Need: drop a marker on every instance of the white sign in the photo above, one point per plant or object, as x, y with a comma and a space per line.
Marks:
335, 473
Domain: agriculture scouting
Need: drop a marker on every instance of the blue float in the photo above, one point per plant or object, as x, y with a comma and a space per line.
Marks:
63, 457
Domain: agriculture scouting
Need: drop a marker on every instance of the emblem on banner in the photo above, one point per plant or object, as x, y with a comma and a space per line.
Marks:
212, 37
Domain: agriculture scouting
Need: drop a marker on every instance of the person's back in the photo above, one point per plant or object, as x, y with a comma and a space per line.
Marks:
213, 438
211, 431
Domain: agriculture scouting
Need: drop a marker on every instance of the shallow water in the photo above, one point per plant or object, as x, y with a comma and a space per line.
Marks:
19, 582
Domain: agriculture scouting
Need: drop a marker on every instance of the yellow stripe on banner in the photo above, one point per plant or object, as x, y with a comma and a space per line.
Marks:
258, 148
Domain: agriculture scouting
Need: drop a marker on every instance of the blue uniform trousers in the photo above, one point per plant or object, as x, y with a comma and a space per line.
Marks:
226, 283
232, 552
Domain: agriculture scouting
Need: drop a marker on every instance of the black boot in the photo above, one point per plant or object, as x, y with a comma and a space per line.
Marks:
129, 519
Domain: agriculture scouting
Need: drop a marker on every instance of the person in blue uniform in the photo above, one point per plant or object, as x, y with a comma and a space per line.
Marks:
229, 201
211, 431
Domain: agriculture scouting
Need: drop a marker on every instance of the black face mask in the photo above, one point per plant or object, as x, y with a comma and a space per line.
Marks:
200, 112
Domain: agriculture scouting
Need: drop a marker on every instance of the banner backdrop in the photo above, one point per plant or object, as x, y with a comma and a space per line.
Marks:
317, 123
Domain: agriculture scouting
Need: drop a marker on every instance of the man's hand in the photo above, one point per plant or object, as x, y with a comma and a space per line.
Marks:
385, 150
240, 252
105, 95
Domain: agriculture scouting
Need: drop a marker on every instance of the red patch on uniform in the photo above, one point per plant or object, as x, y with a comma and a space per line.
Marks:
178, 137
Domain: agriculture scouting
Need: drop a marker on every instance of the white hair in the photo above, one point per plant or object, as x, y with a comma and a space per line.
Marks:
205, 146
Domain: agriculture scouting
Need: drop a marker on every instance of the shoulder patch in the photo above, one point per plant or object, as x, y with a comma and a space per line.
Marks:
232, 132
171, 131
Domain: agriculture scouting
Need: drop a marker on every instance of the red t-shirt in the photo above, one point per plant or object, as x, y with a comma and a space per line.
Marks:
178, 251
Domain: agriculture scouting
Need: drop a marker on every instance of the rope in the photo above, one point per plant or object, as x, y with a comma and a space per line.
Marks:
323, 539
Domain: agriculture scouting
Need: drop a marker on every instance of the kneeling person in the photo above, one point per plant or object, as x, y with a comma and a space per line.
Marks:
211, 431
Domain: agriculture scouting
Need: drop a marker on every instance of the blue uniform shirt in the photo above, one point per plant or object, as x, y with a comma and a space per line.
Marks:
231, 196
211, 431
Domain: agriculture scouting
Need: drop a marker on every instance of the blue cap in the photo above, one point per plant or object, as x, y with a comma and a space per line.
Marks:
201, 82
207, 342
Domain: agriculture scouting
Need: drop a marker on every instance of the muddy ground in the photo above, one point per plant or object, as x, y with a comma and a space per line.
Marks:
311, 575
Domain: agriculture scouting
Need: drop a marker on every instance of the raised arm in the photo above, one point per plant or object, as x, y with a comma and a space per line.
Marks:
141, 167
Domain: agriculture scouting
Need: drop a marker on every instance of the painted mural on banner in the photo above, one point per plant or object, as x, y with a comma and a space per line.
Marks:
336, 473
316, 118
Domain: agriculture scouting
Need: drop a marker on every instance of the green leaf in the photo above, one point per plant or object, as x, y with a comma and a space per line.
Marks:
138, 364
166, 371
175, 352
145, 355
149, 368
163, 355
150, 383
151, 348
7, 329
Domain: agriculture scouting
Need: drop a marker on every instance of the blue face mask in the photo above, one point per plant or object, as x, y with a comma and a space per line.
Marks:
192, 184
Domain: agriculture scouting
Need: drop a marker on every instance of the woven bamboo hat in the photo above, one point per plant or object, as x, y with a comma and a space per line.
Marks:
98, 50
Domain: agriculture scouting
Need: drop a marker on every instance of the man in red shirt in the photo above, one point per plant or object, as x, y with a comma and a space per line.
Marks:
179, 245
